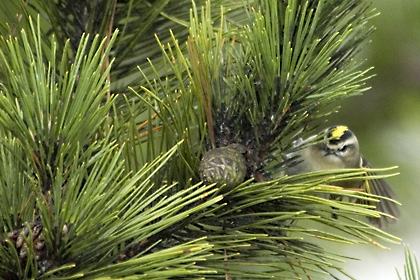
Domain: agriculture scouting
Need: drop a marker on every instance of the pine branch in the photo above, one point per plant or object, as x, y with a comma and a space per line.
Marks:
138, 21
79, 213
263, 93
112, 186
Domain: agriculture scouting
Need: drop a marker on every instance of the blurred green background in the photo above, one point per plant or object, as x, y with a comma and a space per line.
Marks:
386, 120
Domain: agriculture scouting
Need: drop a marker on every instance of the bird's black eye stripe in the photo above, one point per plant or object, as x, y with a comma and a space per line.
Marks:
334, 142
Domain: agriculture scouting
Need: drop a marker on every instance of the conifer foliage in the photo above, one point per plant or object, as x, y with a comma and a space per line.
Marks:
146, 139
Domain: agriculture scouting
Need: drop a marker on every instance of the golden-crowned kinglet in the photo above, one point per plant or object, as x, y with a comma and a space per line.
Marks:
340, 149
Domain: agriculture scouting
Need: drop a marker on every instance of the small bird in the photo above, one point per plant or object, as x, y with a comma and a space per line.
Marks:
338, 150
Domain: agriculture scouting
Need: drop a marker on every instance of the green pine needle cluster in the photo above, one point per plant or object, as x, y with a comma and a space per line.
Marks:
411, 266
107, 108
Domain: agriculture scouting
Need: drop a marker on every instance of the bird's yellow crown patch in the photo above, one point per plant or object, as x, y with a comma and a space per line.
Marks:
339, 131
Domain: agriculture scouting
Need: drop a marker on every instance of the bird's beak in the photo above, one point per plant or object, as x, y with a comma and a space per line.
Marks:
328, 151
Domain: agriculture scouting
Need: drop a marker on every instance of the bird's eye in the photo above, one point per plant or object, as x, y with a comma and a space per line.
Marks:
343, 148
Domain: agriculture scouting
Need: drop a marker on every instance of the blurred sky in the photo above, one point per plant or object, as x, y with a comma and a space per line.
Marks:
386, 120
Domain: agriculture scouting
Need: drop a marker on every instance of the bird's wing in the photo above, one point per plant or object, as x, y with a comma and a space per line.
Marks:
380, 187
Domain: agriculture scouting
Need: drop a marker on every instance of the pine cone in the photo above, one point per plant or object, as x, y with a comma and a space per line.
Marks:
45, 260
223, 165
